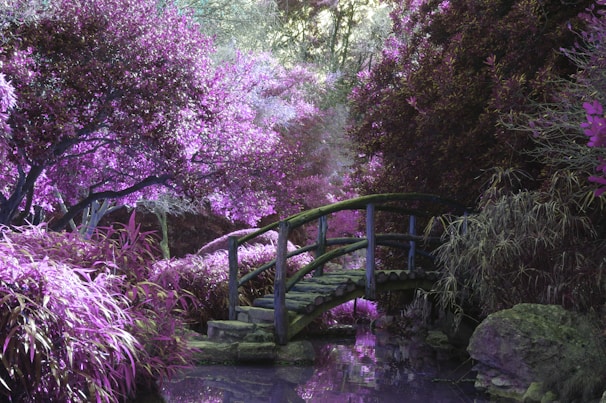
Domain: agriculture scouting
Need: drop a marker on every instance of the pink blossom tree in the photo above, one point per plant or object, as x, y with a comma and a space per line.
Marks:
120, 99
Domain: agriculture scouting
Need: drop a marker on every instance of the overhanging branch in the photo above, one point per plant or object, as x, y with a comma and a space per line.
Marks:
108, 194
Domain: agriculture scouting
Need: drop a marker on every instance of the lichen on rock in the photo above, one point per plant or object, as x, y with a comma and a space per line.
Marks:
529, 343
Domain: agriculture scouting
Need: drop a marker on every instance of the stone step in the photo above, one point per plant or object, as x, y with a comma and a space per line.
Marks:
251, 314
254, 314
234, 330
299, 352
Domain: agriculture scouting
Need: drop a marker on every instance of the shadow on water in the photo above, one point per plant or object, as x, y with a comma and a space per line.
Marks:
370, 368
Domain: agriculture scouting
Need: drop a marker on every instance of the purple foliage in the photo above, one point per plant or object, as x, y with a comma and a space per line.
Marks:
64, 334
595, 129
82, 322
354, 311
206, 276
7, 102
131, 104
592, 50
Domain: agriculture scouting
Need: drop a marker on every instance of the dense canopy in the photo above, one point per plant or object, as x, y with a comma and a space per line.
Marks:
430, 110
120, 99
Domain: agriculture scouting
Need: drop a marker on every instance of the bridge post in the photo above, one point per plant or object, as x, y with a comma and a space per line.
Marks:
322, 228
280, 313
413, 245
232, 243
370, 291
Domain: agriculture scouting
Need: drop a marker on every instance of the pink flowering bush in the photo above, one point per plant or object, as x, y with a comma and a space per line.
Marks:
206, 276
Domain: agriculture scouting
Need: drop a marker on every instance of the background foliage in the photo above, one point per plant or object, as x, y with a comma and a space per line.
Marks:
254, 110
429, 110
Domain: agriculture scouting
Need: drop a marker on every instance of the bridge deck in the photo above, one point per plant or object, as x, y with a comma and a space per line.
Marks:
313, 292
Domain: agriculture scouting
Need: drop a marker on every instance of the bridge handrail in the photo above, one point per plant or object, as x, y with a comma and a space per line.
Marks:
382, 239
370, 203
361, 203
358, 203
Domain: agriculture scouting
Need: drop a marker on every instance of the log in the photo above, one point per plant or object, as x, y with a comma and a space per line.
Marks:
314, 298
280, 314
295, 306
356, 277
381, 277
326, 289
311, 297
344, 288
347, 273
330, 280
315, 288
348, 280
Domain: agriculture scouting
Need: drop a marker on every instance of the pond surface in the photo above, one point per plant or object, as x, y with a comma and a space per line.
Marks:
370, 368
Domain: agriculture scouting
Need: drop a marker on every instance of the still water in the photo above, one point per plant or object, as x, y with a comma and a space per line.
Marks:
370, 368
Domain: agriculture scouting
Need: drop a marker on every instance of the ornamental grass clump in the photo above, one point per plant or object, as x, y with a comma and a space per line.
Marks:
80, 320
523, 247
63, 334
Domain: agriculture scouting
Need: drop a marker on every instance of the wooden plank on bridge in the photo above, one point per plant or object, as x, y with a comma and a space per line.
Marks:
317, 288
312, 297
337, 289
304, 307
335, 280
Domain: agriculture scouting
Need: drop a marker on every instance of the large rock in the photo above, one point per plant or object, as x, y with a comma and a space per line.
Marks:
517, 348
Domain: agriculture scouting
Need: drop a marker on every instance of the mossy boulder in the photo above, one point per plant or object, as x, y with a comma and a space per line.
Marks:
517, 348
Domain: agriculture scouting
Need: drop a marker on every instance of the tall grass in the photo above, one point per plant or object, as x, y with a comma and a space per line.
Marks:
63, 334
523, 247
80, 321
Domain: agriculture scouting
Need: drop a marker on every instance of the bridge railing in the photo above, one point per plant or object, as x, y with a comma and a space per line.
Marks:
369, 203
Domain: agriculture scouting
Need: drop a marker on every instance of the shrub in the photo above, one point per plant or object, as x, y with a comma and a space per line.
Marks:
428, 110
159, 312
206, 276
63, 334
94, 326
524, 247
349, 313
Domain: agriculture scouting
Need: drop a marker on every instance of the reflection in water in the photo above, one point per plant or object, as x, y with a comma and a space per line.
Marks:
374, 368
249, 384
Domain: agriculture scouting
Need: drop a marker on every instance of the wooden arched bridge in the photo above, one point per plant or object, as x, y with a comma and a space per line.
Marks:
310, 291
